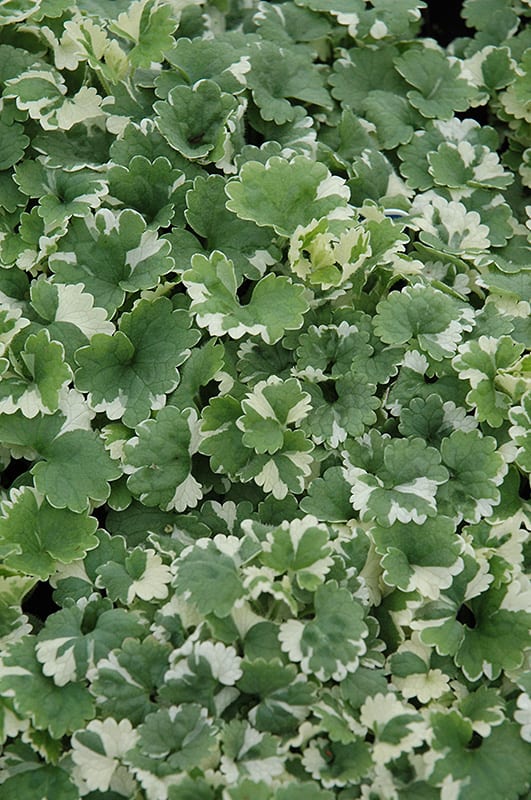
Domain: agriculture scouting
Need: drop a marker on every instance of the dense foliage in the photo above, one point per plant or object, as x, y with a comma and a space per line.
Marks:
265, 401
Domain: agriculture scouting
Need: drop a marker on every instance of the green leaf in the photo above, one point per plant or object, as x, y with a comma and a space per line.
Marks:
268, 410
153, 34
241, 241
173, 740
363, 71
439, 90
14, 143
197, 59
71, 481
330, 645
482, 363
209, 578
394, 479
111, 253
34, 533
498, 766
393, 117
75, 638
301, 550
341, 408
42, 376
126, 683
421, 558
328, 498
275, 305
194, 120
158, 460
475, 470
284, 698
433, 420
60, 710
430, 318
277, 74
497, 642
285, 194
40, 783
150, 187
128, 374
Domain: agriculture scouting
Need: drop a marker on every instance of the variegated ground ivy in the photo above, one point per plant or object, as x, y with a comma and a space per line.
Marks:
265, 400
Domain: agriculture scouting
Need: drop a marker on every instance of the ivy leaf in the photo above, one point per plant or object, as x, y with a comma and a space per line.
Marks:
275, 305
71, 482
475, 470
63, 306
448, 227
60, 710
150, 187
200, 673
363, 71
244, 746
42, 376
276, 74
299, 549
241, 241
268, 410
397, 726
74, 638
158, 460
394, 479
194, 120
34, 533
520, 431
209, 578
111, 253
98, 750
126, 682
41, 92
329, 646
393, 116
14, 143
175, 739
481, 362
462, 164
197, 59
286, 470
433, 420
498, 765
341, 408
515, 99
421, 558
284, 698
62, 195
129, 373
40, 782
141, 574
151, 33
498, 640
433, 320
328, 498
285, 194
439, 90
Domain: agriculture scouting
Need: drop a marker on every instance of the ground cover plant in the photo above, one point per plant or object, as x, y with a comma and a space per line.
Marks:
264, 400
